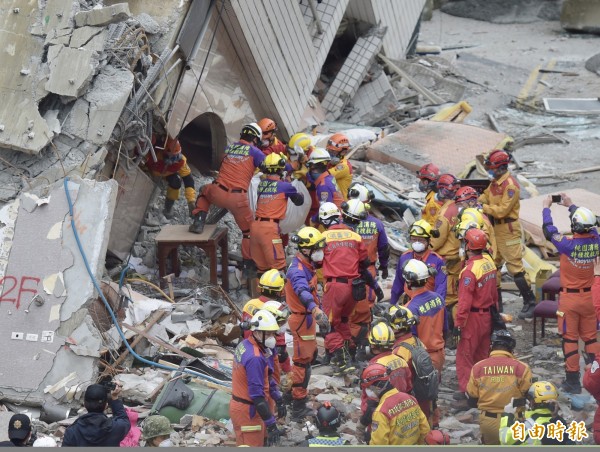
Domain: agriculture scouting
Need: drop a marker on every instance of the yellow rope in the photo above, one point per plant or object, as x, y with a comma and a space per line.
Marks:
151, 285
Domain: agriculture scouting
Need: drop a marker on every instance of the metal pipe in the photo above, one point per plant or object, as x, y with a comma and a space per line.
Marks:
313, 9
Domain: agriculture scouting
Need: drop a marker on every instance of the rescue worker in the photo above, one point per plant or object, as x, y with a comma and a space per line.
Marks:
346, 270
397, 420
466, 200
266, 245
428, 175
172, 165
501, 203
477, 295
340, 168
270, 143
542, 397
298, 149
304, 304
576, 313
253, 387
373, 235
591, 382
281, 359
157, 431
326, 188
445, 243
429, 308
420, 234
328, 420
230, 189
494, 381
270, 286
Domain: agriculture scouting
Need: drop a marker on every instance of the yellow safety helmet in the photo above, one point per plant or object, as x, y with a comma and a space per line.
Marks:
472, 214
279, 310
542, 391
420, 228
263, 320
464, 226
273, 163
253, 306
299, 143
272, 280
401, 318
381, 335
308, 237
354, 209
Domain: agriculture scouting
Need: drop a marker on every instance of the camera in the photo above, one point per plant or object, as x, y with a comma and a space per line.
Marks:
556, 198
109, 384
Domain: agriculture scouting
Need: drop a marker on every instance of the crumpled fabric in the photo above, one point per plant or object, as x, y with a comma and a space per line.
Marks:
133, 437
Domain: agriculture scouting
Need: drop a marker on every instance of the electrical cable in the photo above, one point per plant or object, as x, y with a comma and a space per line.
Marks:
154, 286
112, 314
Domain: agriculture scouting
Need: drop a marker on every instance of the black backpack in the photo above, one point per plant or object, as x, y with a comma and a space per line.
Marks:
426, 381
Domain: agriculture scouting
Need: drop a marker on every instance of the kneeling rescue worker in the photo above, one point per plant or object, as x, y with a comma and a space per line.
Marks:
254, 390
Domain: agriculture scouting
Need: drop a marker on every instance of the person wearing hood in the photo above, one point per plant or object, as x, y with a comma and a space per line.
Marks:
95, 428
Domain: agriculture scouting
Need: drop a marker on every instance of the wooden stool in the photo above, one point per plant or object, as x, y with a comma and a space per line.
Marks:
545, 309
174, 235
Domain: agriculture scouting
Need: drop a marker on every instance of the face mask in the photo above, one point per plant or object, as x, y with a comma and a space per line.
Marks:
166, 443
265, 142
418, 247
317, 256
270, 342
334, 161
281, 330
491, 174
314, 175
371, 394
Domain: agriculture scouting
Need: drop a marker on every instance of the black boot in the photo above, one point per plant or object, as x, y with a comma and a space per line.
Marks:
344, 361
168, 209
197, 227
361, 354
300, 410
191, 208
500, 306
527, 294
571, 384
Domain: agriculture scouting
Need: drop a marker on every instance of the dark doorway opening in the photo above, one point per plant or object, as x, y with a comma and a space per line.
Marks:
203, 141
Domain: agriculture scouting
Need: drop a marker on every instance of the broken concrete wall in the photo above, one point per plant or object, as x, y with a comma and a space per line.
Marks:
46, 288
581, 15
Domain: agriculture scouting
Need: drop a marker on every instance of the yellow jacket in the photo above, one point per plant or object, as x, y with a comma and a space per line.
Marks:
398, 420
432, 208
342, 173
446, 245
501, 198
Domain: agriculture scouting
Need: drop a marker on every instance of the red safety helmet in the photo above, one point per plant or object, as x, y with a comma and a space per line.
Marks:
447, 186
476, 239
497, 159
268, 126
374, 375
437, 438
337, 143
429, 172
465, 194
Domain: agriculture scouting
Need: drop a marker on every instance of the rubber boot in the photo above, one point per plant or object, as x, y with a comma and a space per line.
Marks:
300, 410
191, 207
168, 209
287, 397
361, 354
500, 306
197, 227
571, 384
344, 361
527, 294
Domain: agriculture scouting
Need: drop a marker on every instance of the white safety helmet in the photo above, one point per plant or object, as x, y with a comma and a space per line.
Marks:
319, 155
582, 220
354, 209
360, 192
328, 212
279, 310
415, 270
263, 320
252, 129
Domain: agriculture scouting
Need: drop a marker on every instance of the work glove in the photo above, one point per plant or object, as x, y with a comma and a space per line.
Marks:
322, 320
456, 334
384, 272
509, 408
379, 293
273, 435
281, 409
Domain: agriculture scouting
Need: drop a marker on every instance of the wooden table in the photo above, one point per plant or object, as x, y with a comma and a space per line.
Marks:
175, 235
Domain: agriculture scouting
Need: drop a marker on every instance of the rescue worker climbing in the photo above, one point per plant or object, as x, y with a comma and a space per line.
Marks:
397, 420
270, 143
477, 296
576, 314
445, 242
172, 165
429, 308
420, 234
340, 168
494, 382
373, 235
326, 188
428, 175
542, 397
230, 189
253, 387
501, 203
266, 245
346, 272
304, 304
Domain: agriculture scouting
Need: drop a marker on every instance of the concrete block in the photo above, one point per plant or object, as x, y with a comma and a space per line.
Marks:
86, 340
57, 15
107, 98
71, 71
103, 16
92, 38
148, 23
77, 122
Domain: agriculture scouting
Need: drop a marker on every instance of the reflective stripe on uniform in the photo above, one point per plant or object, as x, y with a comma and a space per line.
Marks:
251, 428
308, 338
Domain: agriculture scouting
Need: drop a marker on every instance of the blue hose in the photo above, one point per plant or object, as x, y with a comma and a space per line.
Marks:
112, 314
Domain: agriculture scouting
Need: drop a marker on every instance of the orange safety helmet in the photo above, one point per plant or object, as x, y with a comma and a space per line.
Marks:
268, 126
465, 194
447, 186
337, 143
375, 374
437, 438
429, 172
497, 159
476, 239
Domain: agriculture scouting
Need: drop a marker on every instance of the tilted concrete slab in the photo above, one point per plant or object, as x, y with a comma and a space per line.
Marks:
78, 121
71, 70
103, 16
107, 99
92, 38
45, 264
